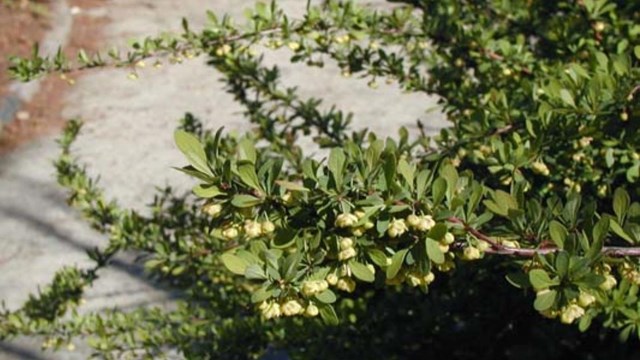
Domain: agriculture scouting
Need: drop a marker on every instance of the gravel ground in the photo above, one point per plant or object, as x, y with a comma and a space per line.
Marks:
128, 141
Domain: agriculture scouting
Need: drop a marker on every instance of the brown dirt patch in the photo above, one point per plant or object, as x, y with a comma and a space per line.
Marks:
44, 110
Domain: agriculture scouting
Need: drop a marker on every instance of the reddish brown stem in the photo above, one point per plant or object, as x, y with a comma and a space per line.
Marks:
499, 249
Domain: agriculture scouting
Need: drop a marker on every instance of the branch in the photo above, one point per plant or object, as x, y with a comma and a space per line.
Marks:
499, 249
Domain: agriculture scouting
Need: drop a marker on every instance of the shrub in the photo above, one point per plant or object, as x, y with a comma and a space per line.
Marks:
484, 241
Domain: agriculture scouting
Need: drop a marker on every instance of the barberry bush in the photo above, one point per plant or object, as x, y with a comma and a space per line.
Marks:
513, 233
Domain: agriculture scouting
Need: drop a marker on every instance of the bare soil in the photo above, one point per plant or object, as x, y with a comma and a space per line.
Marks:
42, 115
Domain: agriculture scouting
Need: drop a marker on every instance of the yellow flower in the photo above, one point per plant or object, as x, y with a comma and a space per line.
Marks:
291, 308
271, 310
585, 299
268, 227
471, 253
426, 223
346, 284
212, 209
312, 287
539, 167
293, 45
346, 243
252, 229
428, 279
346, 220
570, 313
609, 282
312, 310
413, 221
397, 228
413, 280
332, 279
230, 233
347, 254
448, 239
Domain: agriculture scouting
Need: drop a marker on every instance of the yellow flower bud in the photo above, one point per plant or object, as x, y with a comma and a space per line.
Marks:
223, 50
312, 310
212, 209
426, 223
359, 214
346, 243
471, 253
368, 225
310, 288
347, 254
332, 279
271, 310
428, 279
346, 220
346, 284
570, 313
291, 308
397, 227
252, 229
609, 282
268, 227
413, 280
293, 45
540, 167
483, 246
585, 299
230, 233
358, 232
413, 220
443, 247
599, 26
448, 239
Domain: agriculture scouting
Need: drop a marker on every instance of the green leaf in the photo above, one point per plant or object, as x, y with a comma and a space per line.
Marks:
618, 230
558, 233
247, 173
234, 263
247, 150
518, 280
433, 251
636, 51
255, 272
396, 263
438, 190
207, 192
328, 315
261, 295
562, 263
545, 301
539, 279
378, 257
621, 201
291, 186
450, 174
337, 160
421, 183
361, 271
407, 171
567, 98
326, 297
193, 150
245, 201
600, 231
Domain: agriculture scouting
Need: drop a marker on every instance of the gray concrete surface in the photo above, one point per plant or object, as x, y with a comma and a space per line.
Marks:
128, 141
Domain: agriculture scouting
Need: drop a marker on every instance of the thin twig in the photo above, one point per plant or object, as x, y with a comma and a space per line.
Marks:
498, 249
